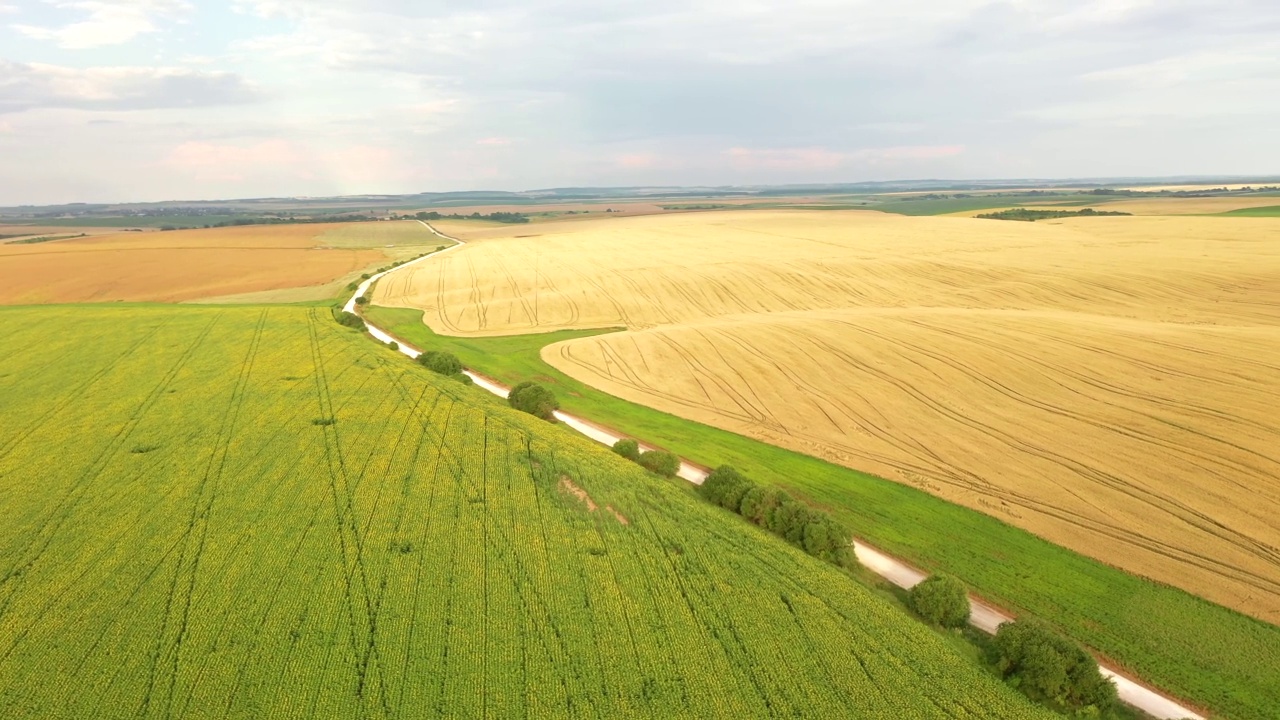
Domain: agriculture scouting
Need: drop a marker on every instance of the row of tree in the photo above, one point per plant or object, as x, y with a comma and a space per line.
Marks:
1030, 655
659, 462
1048, 667
502, 217
1029, 215
815, 531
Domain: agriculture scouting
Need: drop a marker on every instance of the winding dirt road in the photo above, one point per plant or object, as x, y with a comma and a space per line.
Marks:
983, 616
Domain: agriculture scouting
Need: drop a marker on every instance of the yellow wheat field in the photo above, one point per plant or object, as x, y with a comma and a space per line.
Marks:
1108, 383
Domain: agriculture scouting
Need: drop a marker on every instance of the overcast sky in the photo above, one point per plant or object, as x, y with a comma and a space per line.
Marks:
108, 100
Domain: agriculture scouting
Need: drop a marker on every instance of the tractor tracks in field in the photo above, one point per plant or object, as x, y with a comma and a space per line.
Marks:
165, 660
895, 571
43, 535
356, 584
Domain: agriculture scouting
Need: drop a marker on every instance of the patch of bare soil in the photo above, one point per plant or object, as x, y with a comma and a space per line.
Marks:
567, 485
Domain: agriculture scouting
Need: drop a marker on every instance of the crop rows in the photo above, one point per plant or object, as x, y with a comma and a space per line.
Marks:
265, 516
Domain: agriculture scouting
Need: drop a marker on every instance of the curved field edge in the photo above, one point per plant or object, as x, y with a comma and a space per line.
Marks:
253, 512
1216, 658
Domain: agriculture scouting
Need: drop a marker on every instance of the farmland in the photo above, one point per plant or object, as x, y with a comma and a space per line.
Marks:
1102, 382
1150, 339
269, 262
1265, 211
1221, 659
252, 512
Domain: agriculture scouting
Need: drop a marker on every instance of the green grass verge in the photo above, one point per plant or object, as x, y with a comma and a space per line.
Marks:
1213, 656
1268, 211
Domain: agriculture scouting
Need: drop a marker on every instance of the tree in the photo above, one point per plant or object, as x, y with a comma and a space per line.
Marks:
534, 399
347, 319
942, 600
660, 462
788, 520
1049, 667
627, 448
752, 503
718, 481
732, 498
822, 536
445, 363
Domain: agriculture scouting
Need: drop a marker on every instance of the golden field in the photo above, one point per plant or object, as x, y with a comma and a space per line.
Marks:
256, 262
1107, 383
1147, 205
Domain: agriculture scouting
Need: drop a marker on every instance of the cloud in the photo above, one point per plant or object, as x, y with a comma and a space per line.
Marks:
633, 161
230, 162
345, 168
26, 86
534, 93
815, 159
108, 22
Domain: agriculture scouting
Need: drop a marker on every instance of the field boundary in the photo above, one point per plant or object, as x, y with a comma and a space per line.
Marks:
984, 616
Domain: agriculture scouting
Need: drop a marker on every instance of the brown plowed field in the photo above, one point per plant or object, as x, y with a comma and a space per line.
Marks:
1108, 383
192, 264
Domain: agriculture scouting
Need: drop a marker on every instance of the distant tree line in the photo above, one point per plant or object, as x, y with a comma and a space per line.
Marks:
1025, 215
502, 217
42, 239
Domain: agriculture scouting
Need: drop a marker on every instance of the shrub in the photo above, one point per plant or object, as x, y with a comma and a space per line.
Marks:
394, 345
942, 600
534, 399
816, 538
627, 448
732, 498
1048, 667
362, 300
441, 362
365, 276
660, 462
718, 481
752, 503
789, 519
776, 511
347, 319
463, 378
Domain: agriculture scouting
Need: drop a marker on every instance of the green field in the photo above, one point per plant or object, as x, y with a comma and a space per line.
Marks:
399, 233
252, 512
899, 206
1211, 655
141, 221
1268, 211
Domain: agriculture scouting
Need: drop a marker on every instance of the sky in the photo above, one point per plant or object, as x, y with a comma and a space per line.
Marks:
144, 100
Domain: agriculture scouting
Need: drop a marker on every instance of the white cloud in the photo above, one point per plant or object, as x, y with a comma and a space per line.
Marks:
533, 93
107, 22
30, 86
820, 159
